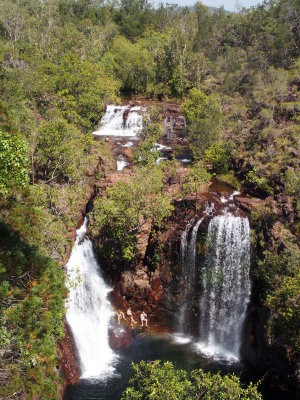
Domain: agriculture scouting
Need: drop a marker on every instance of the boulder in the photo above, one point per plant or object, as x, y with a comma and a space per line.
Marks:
120, 337
247, 204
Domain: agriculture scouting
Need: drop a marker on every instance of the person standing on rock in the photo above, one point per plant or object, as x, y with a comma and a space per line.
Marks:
120, 315
129, 313
143, 317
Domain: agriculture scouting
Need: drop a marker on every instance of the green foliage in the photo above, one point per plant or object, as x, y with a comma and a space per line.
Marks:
284, 303
127, 207
32, 293
195, 180
217, 157
132, 64
292, 183
13, 162
214, 386
77, 89
270, 271
259, 184
152, 380
230, 179
133, 16
60, 148
204, 119
146, 152
152, 124
276, 277
162, 381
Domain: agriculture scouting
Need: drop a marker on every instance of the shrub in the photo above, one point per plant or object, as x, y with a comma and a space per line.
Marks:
217, 157
154, 380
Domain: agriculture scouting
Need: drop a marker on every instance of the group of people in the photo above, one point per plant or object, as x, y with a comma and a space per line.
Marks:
143, 317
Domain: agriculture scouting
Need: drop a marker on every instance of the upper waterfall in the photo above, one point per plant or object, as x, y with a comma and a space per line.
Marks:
88, 309
225, 285
121, 121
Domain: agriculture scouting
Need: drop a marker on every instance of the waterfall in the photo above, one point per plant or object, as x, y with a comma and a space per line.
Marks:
121, 121
88, 309
188, 251
225, 286
188, 262
121, 163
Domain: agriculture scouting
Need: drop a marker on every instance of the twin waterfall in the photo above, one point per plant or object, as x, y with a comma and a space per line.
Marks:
223, 284
218, 287
88, 309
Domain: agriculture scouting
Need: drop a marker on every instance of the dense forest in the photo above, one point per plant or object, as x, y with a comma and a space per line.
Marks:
236, 76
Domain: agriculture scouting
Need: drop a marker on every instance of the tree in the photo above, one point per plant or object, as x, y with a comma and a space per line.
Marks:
60, 151
154, 380
204, 120
133, 16
195, 180
132, 63
146, 152
216, 156
13, 162
284, 322
127, 207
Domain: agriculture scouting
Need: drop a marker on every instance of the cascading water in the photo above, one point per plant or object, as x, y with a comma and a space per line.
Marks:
225, 286
188, 262
121, 121
88, 310
121, 163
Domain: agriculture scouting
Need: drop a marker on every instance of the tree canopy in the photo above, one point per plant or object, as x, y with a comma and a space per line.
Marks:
163, 381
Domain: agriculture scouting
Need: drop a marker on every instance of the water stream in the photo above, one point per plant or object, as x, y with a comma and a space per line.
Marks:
188, 260
225, 285
121, 121
88, 310
220, 281
121, 163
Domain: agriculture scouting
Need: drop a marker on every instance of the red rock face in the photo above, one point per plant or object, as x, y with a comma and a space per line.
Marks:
247, 204
69, 366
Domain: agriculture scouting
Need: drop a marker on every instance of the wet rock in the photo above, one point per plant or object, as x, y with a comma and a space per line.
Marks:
156, 292
69, 366
120, 337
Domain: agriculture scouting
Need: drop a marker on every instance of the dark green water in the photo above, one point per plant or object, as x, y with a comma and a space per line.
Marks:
149, 349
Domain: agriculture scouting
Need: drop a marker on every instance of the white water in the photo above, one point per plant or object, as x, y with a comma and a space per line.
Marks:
188, 262
127, 144
225, 200
160, 147
116, 123
121, 163
225, 287
160, 159
88, 309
